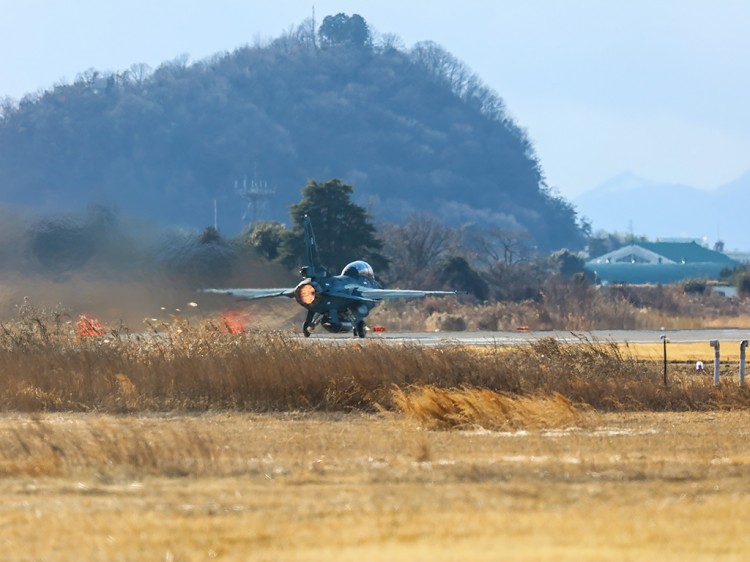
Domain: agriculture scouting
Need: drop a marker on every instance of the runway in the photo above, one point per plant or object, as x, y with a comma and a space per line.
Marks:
566, 336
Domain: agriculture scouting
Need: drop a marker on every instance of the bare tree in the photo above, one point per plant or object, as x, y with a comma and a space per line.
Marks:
442, 64
139, 72
416, 247
306, 34
502, 245
7, 106
388, 42
87, 77
462, 81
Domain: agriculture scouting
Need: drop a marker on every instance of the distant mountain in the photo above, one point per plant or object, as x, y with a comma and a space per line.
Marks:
739, 188
410, 129
662, 211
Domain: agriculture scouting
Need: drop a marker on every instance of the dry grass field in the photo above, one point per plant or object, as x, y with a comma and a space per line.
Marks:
190, 443
231, 486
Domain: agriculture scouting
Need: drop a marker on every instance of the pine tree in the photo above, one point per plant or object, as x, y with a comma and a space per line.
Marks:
343, 230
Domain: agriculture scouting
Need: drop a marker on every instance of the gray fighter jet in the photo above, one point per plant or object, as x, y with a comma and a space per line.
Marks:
339, 303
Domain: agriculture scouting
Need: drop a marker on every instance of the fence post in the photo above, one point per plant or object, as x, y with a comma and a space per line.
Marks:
717, 360
743, 345
664, 339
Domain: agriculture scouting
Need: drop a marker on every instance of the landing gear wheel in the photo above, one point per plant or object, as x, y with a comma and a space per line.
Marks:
309, 324
359, 329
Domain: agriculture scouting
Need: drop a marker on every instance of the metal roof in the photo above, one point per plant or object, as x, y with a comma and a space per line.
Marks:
669, 252
681, 252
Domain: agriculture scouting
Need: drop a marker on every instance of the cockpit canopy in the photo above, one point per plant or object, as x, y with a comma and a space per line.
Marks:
358, 267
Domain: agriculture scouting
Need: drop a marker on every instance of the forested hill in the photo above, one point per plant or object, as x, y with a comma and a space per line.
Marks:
410, 129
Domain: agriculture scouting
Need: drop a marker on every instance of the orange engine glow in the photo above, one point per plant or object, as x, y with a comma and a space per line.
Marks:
305, 294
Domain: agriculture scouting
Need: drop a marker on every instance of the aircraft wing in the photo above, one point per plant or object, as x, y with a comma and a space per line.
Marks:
251, 294
381, 294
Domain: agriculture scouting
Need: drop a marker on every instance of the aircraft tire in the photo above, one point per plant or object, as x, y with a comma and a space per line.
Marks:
359, 329
306, 330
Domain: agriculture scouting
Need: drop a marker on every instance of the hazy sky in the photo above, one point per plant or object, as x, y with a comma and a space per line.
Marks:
655, 87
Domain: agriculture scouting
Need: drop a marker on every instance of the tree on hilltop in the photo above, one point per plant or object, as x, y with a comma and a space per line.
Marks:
343, 30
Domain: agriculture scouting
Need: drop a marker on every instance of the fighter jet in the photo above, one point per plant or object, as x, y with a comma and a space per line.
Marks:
339, 303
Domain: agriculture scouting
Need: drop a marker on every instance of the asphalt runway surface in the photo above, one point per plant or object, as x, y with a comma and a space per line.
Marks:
515, 338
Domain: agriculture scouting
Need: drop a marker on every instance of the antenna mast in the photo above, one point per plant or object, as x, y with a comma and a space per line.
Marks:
256, 194
315, 44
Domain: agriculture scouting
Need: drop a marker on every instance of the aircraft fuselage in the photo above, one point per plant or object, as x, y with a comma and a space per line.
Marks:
335, 302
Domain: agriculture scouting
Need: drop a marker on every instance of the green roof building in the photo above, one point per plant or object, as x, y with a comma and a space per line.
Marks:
659, 262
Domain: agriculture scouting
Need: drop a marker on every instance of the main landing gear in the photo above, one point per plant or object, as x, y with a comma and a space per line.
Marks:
309, 324
332, 324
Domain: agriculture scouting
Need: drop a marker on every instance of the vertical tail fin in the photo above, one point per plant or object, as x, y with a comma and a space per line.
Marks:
312, 258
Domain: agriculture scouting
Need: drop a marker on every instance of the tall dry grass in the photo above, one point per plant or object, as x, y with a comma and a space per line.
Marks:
181, 366
466, 408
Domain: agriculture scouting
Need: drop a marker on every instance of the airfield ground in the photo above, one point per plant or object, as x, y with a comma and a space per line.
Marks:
334, 486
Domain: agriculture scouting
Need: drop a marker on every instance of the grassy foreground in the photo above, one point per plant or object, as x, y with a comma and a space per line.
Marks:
190, 443
627, 486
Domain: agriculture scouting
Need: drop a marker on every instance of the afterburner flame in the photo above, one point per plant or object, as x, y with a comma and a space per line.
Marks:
305, 294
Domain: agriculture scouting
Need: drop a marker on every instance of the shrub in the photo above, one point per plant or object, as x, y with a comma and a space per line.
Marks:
743, 283
694, 286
